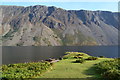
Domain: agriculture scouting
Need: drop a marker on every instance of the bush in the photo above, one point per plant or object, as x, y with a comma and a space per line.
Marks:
80, 60
78, 57
24, 70
75, 57
102, 56
60, 58
109, 69
112, 74
35, 38
92, 58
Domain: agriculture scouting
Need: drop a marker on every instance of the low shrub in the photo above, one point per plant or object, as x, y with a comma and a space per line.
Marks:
102, 56
92, 58
109, 70
75, 57
24, 70
112, 74
80, 60
60, 58
78, 57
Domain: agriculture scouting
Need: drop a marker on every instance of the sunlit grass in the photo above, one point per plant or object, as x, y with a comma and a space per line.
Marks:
67, 69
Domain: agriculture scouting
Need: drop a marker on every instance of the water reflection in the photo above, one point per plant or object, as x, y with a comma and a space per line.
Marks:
28, 54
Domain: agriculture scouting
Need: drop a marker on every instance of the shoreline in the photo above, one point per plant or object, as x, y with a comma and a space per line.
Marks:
71, 65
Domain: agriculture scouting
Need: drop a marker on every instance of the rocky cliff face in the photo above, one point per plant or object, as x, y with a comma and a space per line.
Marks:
51, 26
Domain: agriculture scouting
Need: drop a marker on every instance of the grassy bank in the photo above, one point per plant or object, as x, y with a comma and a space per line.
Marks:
67, 68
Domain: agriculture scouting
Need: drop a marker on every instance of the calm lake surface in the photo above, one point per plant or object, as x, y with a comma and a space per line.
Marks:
29, 54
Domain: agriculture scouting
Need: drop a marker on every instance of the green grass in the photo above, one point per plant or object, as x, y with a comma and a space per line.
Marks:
67, 69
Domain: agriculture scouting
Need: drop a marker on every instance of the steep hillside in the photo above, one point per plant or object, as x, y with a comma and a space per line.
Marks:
51, 26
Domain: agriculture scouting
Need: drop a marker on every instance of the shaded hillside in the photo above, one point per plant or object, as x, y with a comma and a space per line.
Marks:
51, 26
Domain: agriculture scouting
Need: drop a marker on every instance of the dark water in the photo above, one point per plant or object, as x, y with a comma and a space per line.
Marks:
29, 54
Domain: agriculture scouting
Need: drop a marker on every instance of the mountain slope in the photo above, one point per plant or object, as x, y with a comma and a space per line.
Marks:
51, 26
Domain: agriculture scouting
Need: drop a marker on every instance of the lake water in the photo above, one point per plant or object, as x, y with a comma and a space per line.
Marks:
29, 54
